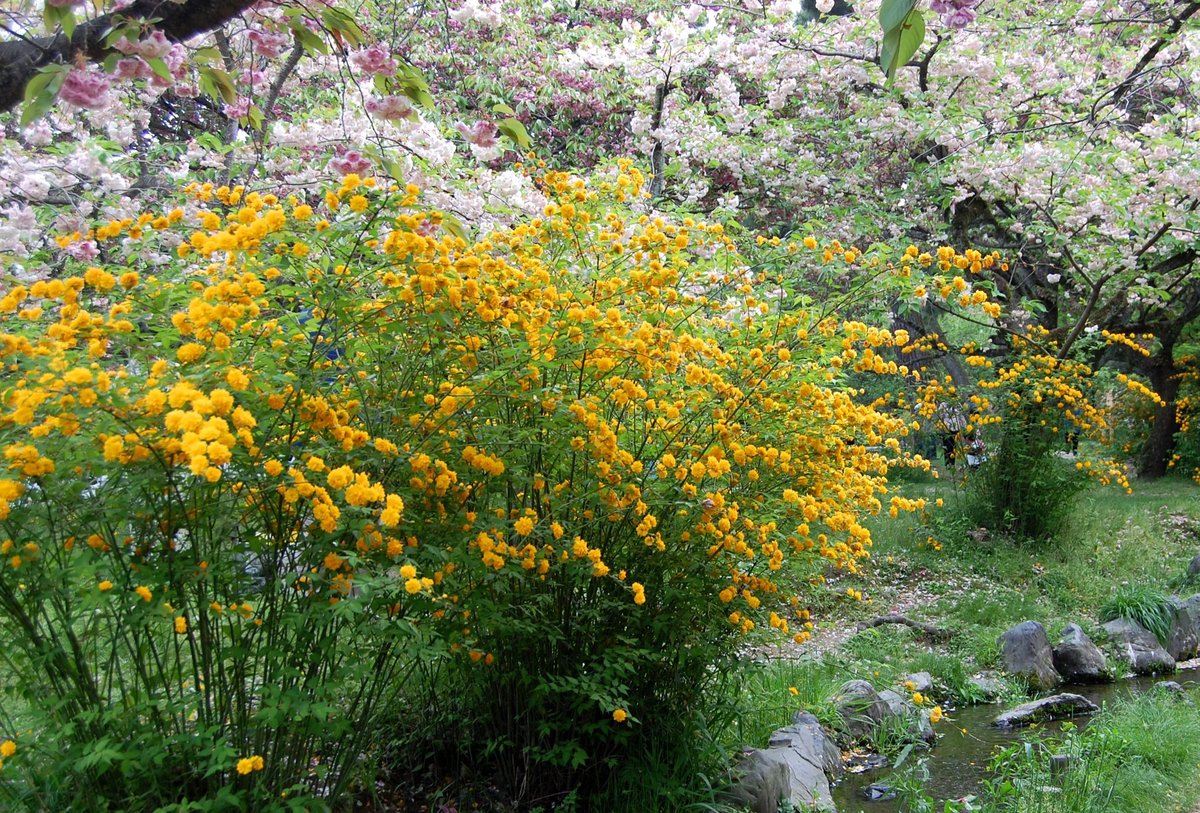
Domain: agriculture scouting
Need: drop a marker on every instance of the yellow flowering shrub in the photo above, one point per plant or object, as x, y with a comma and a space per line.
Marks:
569, 464
1030, 410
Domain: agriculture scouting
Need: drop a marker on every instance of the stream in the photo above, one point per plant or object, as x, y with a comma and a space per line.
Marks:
958, 763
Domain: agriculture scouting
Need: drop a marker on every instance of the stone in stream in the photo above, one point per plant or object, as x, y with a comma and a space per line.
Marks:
795, 767
1171, 687
861, 707
920, 682
1183, 643
1078, 660
878, 792
1138, 647
1054, 707
916, 727
987, 686
1026, 652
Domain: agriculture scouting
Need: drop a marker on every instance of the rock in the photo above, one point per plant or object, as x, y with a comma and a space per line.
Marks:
1170, 686
763, 781
1183, 643
916, 727
1078, 660
1059, 763
987, 686
859, 762
918, 682
1054, 707
861, 708
794, 768
1138, 646
1026, 653
878, 792
808, 736
1194, 566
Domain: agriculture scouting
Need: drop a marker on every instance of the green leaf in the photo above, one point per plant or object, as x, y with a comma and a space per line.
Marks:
308, 39
453, 225
255, 116
217, 84
41, 92
159, 66
893, 12
66, 18
516, 132
394, 170
412, 84
205, 56
341, 22
901, 43
503, 110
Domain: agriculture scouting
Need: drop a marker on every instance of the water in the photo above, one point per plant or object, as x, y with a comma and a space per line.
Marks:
958, 763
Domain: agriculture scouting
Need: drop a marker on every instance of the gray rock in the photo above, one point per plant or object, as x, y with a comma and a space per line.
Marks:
763, 781
1054, 707
1170, 686
808, 736
1138, 647
878, 792
1183, 643
861, 707
1026, 652
916, 727
1194, 566
921, 682
795, 767
987, 686
1078, 660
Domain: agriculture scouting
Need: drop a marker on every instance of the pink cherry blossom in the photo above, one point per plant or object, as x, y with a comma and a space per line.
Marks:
85, 88
481, 134
390, 108
374, 60
267, 43
960, 18
347, 161
238, 109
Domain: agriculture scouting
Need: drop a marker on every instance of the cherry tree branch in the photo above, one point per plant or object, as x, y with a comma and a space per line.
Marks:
21, 59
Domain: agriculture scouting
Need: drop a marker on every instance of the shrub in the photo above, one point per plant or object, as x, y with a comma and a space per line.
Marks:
333, 466
1147, 606
1019, 424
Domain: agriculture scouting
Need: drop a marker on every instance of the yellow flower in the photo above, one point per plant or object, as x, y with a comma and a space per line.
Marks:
7, 748
246, 765
144, 592
181, 625
524, 526
918, 698
936, 716
620, 715
105, 586
793, 691
412, 586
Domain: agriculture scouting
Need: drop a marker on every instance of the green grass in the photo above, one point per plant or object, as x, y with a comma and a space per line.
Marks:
1147, 606
1111, 540
1135, 757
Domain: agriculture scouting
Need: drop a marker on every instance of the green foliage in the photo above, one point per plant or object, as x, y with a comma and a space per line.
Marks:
1024, 489
1136, 756
1148, 606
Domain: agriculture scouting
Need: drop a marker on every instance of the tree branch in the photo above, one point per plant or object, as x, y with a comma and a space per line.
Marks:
21, 59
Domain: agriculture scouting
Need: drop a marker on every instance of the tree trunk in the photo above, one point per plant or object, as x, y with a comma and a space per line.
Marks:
1156, 454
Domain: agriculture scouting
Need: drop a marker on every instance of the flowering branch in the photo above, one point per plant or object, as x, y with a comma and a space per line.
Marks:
21, 59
